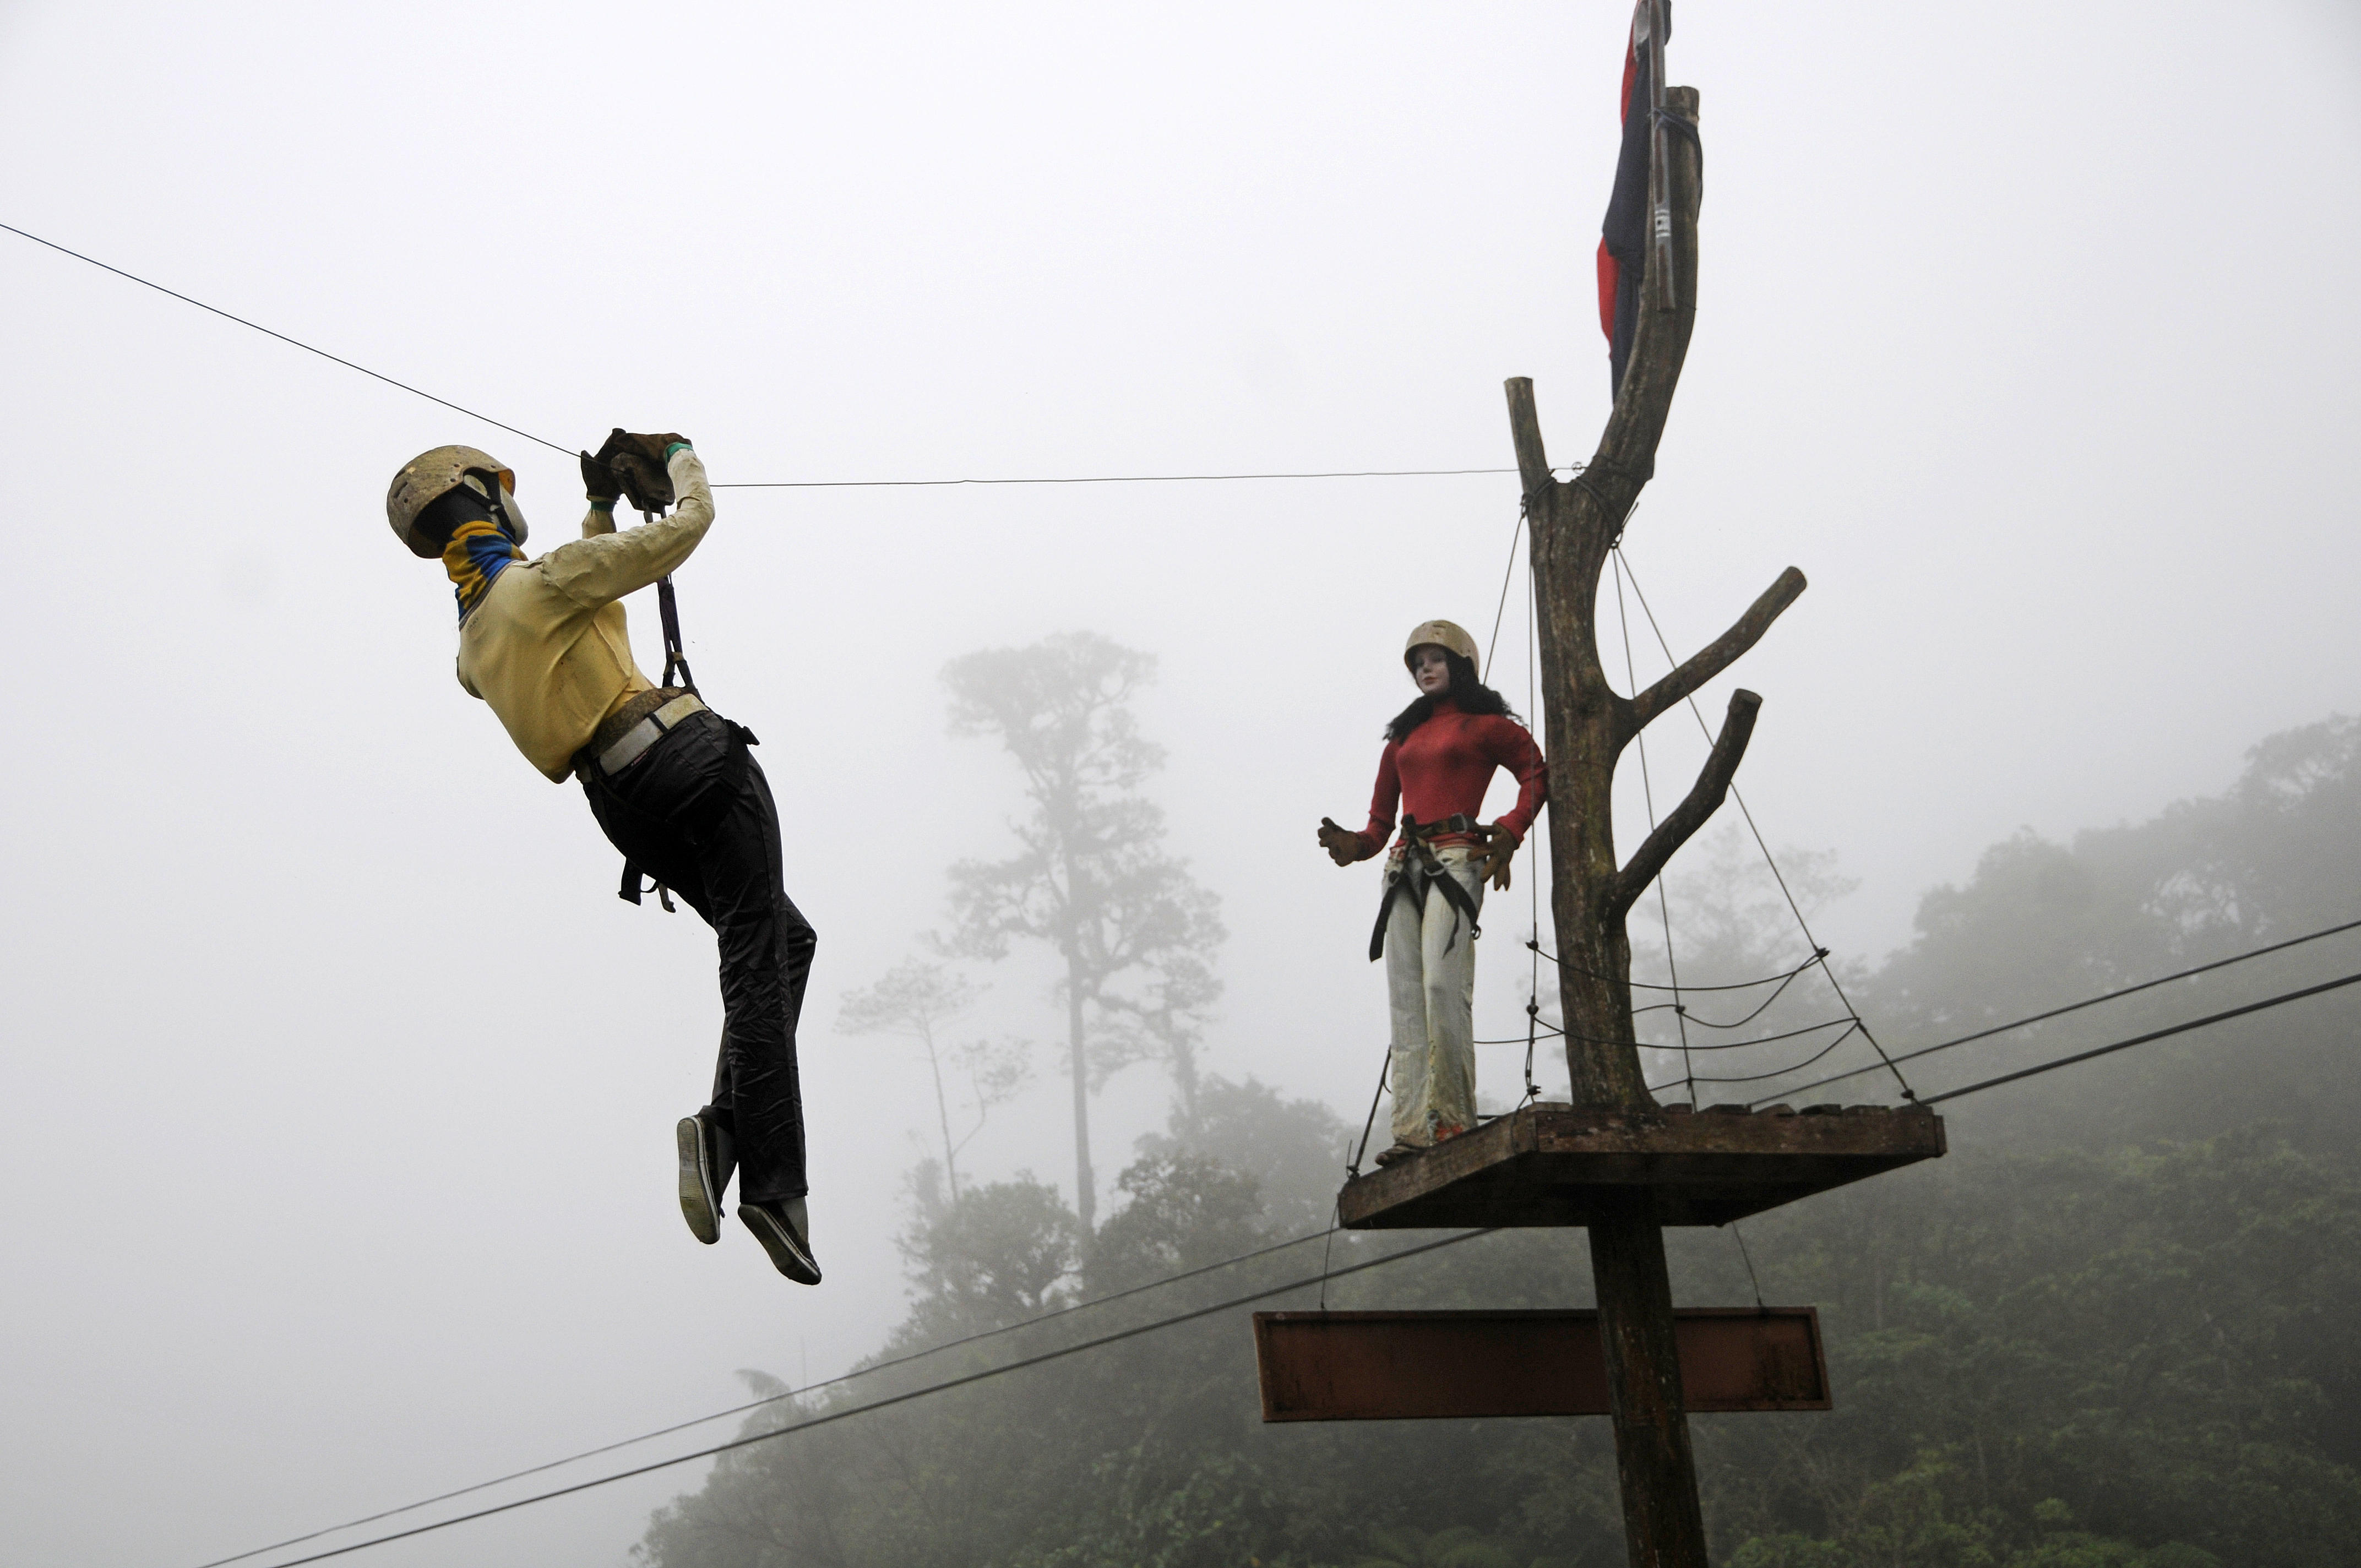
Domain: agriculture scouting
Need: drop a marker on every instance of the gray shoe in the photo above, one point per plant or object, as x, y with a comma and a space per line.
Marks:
704, 1172
790, 1253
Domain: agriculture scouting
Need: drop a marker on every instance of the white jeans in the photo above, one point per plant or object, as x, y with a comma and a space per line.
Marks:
1431, 984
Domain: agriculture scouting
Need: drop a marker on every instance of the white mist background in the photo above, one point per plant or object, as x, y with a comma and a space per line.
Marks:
337, 1085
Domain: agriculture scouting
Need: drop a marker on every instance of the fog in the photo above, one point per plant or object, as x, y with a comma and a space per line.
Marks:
338, 1086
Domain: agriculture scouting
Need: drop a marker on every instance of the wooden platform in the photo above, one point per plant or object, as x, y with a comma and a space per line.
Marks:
1555, 1165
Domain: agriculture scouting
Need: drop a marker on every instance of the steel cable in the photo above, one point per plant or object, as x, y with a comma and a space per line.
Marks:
827, 1418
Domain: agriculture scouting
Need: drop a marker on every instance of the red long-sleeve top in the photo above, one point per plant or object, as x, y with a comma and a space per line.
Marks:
1443, 767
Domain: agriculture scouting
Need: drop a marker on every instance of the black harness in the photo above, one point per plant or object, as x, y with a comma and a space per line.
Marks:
1420, 871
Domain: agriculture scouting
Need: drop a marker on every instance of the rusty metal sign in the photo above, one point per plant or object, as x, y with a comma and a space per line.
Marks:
1364, 1366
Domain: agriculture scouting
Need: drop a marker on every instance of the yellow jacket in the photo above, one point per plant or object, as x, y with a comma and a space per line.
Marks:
547, 646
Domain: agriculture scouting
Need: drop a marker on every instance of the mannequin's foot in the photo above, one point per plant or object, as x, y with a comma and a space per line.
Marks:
1399, 1151
782, 1228
704, 1172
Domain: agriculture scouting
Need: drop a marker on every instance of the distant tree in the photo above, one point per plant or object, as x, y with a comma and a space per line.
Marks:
1002, 1252
1294, 1149
1090, 879
915, 1000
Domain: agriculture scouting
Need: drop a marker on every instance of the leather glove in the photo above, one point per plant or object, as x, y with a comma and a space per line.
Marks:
642, 476
1501, 847
599, 481
651, 447
1344, 845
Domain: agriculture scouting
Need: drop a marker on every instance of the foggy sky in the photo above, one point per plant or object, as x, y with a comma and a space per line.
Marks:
338, 1086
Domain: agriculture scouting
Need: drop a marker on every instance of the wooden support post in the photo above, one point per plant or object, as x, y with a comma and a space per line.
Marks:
1575, 525
1662, 1525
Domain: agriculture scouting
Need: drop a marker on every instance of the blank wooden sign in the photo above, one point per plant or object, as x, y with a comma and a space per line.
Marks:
1365, 1366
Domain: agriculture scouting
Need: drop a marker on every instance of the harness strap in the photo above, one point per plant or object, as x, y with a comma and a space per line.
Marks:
668, 608
1433, 874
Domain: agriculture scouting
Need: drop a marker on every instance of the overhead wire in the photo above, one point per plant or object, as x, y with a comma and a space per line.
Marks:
2092, 1002
856, 1374
295, 342
2182, 1028
744, 484
827, 1418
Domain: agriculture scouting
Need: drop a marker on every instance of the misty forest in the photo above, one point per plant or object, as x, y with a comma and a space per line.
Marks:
2113, 1328
995, 1066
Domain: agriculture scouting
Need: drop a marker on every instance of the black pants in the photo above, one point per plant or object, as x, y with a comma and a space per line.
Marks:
695, 813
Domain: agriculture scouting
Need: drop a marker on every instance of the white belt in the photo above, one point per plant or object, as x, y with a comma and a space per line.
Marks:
646, 733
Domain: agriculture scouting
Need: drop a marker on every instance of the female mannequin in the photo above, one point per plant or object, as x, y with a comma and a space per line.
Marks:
1441, 752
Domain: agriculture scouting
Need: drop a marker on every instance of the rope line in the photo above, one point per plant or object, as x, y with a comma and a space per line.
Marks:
829, 1417
857, 1373
742, 484
1648, 794
1761, 843
1500, 610
1853, 1025
1642, 985
2095, 1001
1709, 1023
1738, 1045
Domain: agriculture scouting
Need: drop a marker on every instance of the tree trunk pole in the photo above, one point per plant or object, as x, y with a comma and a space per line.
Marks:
1575, 525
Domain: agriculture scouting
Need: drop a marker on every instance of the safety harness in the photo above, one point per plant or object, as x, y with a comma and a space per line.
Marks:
681, 701
1430, 873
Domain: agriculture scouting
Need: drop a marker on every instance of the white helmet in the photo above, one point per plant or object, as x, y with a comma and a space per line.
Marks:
1443, 634
428, 476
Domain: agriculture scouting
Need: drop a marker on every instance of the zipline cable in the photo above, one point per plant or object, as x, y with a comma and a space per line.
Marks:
858, 1372
2143, 1039
742, 484
1099, 479
831, 1416
2092, 1002
282, 337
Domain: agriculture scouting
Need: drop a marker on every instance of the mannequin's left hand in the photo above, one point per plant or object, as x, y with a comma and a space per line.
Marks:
1498, 850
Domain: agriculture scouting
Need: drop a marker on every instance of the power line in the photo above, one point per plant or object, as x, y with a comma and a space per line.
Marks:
858, 1372
2088, 1002
2142, 1040
944, 1387
748, 484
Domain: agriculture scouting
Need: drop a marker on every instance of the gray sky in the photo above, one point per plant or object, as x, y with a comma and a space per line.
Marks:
338, 1088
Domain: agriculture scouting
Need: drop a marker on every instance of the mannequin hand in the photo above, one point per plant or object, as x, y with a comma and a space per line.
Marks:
1344, 845
599, 481
1498, 852
651, 447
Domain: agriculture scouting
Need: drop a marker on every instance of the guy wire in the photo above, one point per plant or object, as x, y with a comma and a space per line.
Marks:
1648, 793
1768, 859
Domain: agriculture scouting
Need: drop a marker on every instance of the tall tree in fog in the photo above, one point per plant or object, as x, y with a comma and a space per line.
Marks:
1091, 878
915, 1000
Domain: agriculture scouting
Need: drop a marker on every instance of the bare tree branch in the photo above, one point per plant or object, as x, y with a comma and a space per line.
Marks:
1720, 654
1704, 797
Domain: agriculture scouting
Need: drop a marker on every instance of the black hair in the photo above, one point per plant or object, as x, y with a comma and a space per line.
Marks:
1466, 691
446, 511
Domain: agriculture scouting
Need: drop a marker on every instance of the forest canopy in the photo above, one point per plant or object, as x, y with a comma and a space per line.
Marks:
2112, 1330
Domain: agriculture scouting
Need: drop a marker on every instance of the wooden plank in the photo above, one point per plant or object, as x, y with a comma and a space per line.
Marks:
1555, 1165
1360, 1366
